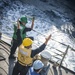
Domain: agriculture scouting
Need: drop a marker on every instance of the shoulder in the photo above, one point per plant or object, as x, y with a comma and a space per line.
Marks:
30, 71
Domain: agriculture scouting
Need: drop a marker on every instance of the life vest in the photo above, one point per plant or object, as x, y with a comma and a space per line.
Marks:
22, 27
24, 56
32, 72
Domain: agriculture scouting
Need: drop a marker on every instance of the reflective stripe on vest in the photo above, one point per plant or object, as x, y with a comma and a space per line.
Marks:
24, 56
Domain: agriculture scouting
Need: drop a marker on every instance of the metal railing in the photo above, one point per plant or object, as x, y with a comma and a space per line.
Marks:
57, 55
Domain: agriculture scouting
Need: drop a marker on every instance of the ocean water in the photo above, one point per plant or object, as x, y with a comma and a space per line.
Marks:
43, 26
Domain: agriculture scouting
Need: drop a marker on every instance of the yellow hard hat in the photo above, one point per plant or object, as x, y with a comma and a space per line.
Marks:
27, 42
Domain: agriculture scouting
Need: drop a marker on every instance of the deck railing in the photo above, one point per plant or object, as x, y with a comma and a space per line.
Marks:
59, 54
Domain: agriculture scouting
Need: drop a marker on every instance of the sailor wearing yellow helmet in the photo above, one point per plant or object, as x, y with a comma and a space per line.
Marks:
26, 54
22, 21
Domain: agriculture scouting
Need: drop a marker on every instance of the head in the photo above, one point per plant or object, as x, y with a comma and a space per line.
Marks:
27, 43
45, 57
23, 20
37, 66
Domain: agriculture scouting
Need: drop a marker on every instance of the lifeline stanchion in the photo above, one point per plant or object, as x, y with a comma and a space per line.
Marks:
64, 55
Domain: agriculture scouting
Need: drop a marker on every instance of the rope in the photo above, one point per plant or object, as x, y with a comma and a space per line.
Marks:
4, 70
5, 43
2, 58
4, 50
4, 36
4, 47
54, 39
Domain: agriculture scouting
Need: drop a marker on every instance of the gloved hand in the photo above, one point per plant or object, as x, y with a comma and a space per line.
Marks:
47, 39
18, 24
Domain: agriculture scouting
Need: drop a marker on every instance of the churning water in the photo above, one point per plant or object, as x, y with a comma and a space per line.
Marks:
43, 27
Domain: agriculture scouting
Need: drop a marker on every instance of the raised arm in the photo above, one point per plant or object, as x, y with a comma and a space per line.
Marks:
19, 39
18, 24
29, 29
32, 23
47, 39
41, 48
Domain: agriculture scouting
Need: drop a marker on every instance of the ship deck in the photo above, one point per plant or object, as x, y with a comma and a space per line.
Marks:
6, 65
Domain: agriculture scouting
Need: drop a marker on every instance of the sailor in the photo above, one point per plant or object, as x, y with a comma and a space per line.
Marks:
22, 21
45, 57
36, 68
26, 54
